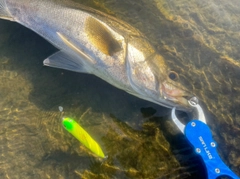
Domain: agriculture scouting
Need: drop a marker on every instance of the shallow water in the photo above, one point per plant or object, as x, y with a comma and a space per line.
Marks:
138, 136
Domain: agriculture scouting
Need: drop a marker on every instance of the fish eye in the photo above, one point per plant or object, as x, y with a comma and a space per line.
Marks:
173, 75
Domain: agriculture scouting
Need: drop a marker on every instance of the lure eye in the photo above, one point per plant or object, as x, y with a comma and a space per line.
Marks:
173, 75
68, 124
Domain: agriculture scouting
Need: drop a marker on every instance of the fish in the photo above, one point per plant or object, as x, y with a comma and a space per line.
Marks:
93, 42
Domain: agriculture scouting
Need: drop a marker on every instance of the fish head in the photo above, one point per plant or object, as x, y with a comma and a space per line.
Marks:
151, 78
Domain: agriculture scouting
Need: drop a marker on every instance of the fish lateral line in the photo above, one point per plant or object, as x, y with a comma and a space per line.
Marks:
72, 46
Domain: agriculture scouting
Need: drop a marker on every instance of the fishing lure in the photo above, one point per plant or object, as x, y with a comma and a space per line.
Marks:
80, 134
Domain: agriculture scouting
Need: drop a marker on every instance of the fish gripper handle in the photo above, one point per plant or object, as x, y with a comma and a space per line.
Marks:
200, 136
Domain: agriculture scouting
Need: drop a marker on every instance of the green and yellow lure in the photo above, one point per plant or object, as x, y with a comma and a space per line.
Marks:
80, 134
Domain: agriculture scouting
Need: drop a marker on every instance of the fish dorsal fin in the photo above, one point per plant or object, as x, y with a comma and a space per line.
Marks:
101, 37
64, 61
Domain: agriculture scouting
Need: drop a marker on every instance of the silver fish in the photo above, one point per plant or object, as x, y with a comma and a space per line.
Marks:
96, 43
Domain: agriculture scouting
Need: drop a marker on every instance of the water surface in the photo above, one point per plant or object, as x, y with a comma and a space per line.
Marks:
138, 136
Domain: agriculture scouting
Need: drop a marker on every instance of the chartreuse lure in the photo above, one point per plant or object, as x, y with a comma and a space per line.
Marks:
80, 134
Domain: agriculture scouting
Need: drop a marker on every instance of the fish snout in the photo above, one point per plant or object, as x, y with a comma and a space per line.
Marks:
175, 93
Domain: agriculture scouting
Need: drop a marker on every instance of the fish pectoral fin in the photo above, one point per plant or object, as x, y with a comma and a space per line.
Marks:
4, 13
64, 61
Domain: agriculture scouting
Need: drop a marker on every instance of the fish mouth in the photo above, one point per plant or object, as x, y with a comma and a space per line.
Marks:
177, 95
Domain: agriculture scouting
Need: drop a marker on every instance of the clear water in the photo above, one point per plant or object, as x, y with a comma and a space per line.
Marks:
138, 137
